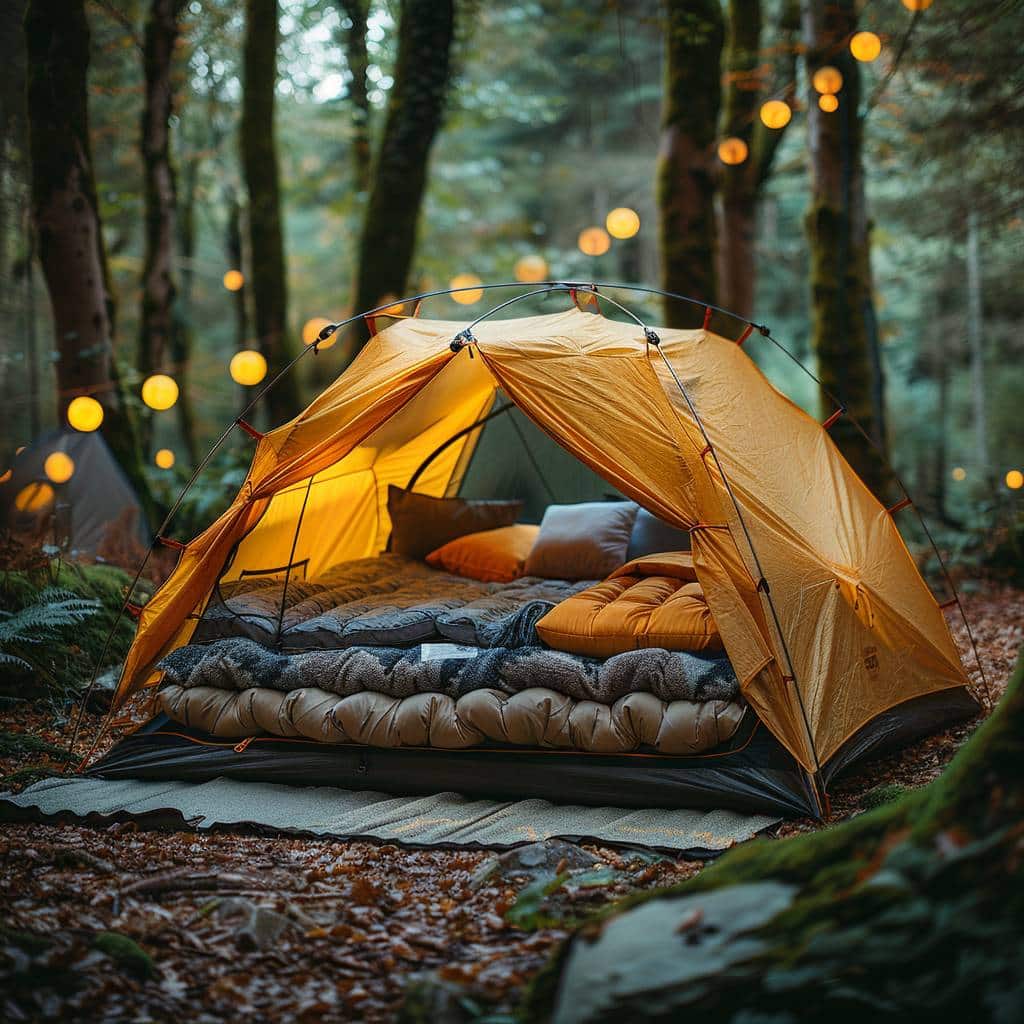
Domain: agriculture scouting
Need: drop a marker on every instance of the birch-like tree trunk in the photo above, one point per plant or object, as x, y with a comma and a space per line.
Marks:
694, 36
68, 229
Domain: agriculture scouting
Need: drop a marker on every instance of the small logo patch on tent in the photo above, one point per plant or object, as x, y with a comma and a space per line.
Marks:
871, 660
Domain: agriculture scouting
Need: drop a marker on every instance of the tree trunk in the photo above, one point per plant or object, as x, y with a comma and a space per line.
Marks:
260, 168
975, 343
236, 259
740, 186
67, 224
415, 110
837, 229
358, 65
694, 34
182, 336
157, 320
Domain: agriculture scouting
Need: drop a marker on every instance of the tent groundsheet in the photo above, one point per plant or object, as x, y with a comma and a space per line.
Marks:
444, 819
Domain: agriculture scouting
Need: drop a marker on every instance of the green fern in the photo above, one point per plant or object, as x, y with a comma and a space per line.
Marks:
41, 622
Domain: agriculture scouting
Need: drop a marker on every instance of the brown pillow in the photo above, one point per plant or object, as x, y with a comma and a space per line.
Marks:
582, 542
421, 524
493, 556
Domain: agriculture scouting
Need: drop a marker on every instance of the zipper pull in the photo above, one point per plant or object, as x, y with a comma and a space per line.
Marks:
240, 747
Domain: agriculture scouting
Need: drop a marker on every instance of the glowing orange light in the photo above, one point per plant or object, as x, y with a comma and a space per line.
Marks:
959, 473
531, 269
247, 367
164, 458
469, 293
622, 222
776, 114
827, 80
85, 413
865, 46
917, 5
7, 476
1015, 479
829, 103
159, 391
593, 241
34, 498
234, 280
732, 151
311, 331
59, 467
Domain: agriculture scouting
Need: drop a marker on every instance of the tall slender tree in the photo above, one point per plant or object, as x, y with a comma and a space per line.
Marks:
748, 83
356, 11
415, 110
67, 223
694, 36
157, 325
263, 182
837, 228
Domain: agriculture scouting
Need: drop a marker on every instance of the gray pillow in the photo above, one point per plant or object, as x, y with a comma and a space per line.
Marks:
652, 535
582, 542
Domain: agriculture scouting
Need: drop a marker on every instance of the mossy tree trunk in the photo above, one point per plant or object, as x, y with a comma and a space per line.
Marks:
747, 86
157, 321
355, 11
694, 35
415, 110
181, 339
233, 249
910, 912
262, 179
837, 229
67, 223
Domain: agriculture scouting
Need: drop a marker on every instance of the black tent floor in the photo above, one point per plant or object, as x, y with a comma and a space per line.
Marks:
442, 819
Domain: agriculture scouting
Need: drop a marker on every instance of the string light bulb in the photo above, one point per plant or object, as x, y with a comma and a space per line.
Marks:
85, 413
827, 80
622, 222
732, 151
959, 474
469, 292
247, 367
531, 269
917, 5
34, 498
59, 467
234, 280
164, 458
828, 103
1015, 479
865, 46
593, 241
776, 114
159, 391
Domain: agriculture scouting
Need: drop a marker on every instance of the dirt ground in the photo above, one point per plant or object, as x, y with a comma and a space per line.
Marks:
121, 924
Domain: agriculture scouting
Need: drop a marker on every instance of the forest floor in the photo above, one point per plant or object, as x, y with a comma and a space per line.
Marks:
118, 923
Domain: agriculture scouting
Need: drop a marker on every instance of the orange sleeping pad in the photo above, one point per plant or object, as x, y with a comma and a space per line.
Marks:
654, 601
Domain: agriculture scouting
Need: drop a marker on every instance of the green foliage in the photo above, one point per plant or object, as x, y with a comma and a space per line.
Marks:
884, 794
527, 912
126, 953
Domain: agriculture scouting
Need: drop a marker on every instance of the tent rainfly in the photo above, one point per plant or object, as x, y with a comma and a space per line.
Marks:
836, 640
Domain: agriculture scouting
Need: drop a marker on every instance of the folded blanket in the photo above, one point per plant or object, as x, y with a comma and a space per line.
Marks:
240, 664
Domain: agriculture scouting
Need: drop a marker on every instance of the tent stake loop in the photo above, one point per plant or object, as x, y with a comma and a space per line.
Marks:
249, 429
834, 417
901, 504
746, 334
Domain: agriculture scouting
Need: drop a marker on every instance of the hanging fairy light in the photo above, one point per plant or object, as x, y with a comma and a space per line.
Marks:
234, 280
1015, 479
394, 309
917, 5
35, 497
247, 367
59, 467
865, 46
164, 458
469, 292
311, 331
159, 391
531, 269
593, 241
85, 413
622, 222
776, 114
732, 151
827, 80
829, 103
959, 474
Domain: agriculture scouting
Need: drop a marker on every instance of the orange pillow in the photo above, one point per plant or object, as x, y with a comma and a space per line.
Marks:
493, 556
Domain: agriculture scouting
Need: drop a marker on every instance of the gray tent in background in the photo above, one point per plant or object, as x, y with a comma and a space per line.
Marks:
78, 512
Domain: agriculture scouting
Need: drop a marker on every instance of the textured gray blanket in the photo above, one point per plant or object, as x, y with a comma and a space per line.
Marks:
239, 664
